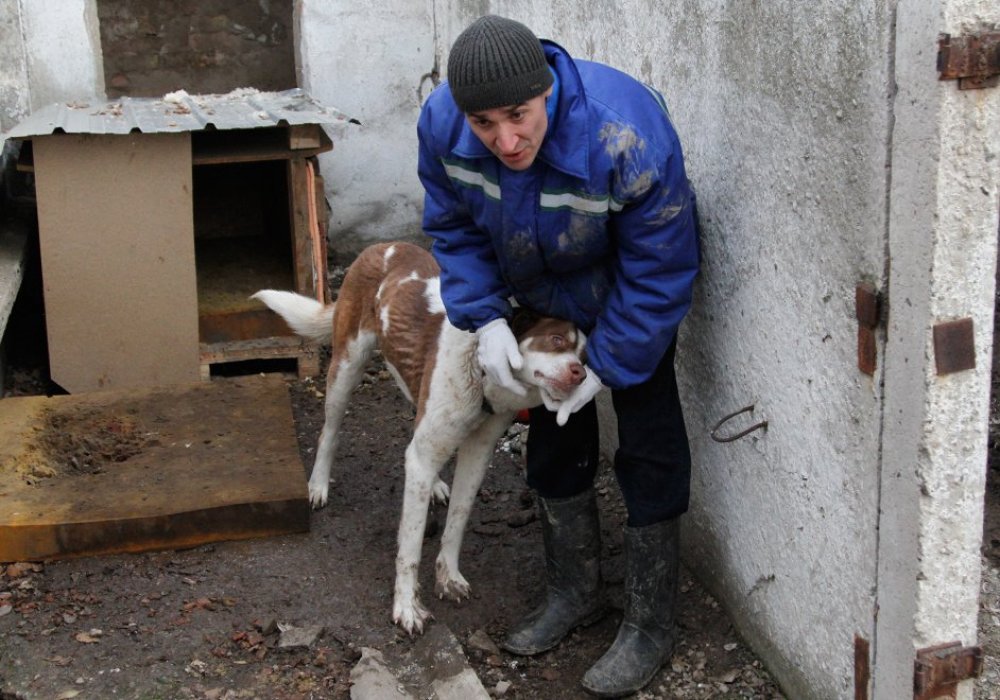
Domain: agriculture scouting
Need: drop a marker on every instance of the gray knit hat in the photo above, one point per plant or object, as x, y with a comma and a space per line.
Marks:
496, 62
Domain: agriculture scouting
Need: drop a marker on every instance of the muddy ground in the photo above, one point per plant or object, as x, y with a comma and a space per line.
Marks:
206, 623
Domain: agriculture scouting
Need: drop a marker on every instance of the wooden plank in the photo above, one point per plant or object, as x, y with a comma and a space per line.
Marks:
303, 136
323, 222
298, 207
241, 325
277, 348
202, 463
250, 145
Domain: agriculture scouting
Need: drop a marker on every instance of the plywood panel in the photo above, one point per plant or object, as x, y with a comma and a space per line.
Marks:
117, 244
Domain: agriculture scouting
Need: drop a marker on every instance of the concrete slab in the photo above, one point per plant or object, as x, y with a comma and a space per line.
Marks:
372, 679
161, 468
432, 666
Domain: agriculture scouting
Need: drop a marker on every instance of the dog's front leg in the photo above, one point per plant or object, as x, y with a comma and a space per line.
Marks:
471, 463
422, 467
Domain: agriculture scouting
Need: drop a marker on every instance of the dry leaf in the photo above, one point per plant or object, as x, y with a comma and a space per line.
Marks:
22, 568
729, 676
88, 637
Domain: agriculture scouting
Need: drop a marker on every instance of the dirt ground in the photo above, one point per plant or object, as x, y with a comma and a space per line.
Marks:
205, 623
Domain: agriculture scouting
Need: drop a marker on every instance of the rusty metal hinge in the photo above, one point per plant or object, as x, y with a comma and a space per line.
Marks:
972, 59
868, 310
862, 667
939, 669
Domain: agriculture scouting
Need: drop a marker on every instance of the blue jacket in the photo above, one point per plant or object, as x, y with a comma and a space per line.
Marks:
599, 230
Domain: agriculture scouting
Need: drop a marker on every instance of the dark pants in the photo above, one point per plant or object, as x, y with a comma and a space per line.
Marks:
653, 461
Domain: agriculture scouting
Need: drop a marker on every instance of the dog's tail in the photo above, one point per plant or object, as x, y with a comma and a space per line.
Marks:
307, 317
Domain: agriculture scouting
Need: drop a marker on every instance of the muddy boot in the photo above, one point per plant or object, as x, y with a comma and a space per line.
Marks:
645, 638
572, 537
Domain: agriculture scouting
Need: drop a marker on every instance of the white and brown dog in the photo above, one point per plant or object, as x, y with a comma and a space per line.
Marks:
390, 298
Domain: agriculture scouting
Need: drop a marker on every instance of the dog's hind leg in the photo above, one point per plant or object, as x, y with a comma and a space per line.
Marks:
347, 366
471, 463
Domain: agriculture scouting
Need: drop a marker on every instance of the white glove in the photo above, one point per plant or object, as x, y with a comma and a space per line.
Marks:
498, 353
580, 397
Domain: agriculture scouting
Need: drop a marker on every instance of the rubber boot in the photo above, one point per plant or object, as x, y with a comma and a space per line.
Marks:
572, 536
646, 635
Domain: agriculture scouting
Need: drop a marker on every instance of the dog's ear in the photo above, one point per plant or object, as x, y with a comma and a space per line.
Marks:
522, 321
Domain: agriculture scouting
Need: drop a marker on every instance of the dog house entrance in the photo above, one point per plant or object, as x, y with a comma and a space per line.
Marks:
256, 226
242, 243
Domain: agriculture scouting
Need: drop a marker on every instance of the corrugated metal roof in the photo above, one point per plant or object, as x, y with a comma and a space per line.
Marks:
245, 108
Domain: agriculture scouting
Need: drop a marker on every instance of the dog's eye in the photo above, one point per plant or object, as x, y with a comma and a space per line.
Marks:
558, 342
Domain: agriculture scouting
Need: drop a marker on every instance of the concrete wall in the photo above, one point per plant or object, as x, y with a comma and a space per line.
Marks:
783, 108
375, 62
14, 75
49, 51
942, 250
787, 111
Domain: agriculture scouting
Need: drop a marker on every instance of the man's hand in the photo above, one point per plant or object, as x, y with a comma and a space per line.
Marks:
498, 353
580, 397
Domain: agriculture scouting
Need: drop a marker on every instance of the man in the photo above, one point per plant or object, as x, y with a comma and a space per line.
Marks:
560, 184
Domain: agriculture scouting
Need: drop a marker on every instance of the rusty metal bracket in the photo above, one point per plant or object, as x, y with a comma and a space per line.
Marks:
939, 669
972, 59
954, 346
762, 425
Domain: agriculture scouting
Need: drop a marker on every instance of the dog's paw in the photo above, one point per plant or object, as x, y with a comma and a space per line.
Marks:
411, 616
441, 492
452, 586
318, 494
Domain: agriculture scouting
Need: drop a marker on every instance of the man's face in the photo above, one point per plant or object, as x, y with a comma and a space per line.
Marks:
514, 134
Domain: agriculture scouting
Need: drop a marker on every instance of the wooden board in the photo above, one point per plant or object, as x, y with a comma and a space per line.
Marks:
200, 463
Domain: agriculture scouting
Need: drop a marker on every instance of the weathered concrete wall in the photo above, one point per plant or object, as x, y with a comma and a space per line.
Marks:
376, 63
783, 110
942, 250
63, 50
49, 51
14, 74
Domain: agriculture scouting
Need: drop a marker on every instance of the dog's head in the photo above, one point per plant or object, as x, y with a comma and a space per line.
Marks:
553, 351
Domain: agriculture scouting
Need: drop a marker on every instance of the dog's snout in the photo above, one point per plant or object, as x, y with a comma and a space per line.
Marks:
577, 372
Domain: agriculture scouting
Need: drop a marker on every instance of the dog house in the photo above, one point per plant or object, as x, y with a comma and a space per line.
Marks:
158, 218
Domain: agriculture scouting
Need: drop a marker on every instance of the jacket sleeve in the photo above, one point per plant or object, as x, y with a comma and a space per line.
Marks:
472, 288
656, 263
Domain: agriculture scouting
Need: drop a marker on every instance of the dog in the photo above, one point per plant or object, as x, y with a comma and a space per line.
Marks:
390, 300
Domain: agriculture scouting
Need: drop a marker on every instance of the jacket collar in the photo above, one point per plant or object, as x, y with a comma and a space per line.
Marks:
563, 148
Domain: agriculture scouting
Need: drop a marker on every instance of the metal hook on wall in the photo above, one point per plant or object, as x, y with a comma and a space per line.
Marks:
762, 425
